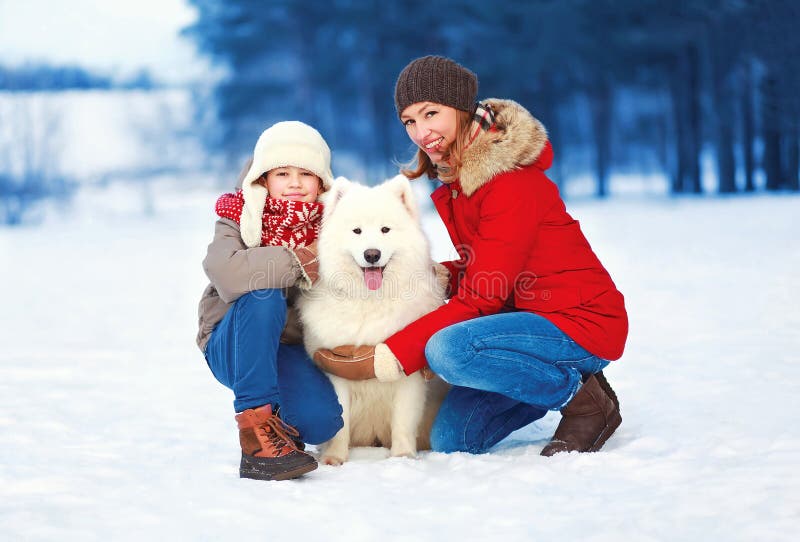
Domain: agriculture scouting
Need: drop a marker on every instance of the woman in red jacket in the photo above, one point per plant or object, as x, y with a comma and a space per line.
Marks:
534, 316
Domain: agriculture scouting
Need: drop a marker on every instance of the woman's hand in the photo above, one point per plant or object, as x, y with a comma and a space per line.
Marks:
348, 361
360, 362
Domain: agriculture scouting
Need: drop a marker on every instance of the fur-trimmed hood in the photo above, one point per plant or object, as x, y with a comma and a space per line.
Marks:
520, 140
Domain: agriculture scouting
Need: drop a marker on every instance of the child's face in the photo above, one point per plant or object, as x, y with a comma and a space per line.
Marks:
293, 183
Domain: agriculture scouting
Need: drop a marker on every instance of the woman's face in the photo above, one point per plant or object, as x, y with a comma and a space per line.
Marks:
293, 183
431, 126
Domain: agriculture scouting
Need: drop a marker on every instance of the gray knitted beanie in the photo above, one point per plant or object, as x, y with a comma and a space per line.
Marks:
436, 79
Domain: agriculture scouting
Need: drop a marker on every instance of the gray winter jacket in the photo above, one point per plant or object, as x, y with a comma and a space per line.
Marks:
235, 270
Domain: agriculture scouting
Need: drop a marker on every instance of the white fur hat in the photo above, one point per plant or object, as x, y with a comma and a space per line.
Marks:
288, 143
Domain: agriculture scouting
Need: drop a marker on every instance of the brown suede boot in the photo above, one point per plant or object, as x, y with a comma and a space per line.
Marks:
605, 386
587, 421
268, 449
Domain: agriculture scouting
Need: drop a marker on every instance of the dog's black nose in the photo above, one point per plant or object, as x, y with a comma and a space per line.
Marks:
372, 255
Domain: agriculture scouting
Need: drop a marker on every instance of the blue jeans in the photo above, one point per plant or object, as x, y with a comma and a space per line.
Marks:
507, 370
245, 354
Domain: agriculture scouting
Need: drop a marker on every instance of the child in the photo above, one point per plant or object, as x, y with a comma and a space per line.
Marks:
263, 250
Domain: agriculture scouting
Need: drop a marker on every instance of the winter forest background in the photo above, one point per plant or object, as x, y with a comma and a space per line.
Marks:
675, 130
667, 98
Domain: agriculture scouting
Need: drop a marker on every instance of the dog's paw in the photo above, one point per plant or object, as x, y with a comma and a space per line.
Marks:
404, 452
403, 445
332, 460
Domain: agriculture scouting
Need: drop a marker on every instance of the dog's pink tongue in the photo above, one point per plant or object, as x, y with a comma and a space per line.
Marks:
373, 276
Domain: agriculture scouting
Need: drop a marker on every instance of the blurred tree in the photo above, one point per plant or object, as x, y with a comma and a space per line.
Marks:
30, 145
38, 76
748, 124
775, 41
333, 64
724, 27
664, 38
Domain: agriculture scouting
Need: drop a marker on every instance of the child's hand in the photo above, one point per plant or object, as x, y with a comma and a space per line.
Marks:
307, 256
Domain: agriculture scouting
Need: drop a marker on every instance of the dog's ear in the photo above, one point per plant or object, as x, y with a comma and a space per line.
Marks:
331, 198
401, 187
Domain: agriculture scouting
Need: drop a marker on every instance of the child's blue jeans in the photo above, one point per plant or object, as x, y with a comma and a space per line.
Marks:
507, 370
245, 354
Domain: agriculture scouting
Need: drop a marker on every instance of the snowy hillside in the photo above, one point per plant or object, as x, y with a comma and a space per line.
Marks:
113, 428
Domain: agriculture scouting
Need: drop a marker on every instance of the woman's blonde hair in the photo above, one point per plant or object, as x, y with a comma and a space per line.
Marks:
422, 163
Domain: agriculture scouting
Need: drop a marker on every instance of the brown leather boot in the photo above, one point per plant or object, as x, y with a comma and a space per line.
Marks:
268, 449
587, 421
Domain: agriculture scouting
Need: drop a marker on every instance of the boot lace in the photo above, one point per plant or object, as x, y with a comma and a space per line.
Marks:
279, 433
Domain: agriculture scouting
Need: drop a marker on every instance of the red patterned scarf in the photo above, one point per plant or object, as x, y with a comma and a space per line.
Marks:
287, 223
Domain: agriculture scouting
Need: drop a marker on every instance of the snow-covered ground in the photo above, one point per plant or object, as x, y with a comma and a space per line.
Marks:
112, 427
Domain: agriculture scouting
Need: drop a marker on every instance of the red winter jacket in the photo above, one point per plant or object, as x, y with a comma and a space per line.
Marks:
519, 248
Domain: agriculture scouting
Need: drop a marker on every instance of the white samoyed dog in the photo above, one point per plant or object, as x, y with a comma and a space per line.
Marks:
376, 277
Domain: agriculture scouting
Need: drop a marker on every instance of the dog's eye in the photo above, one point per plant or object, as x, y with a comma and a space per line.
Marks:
385, 229
357, 231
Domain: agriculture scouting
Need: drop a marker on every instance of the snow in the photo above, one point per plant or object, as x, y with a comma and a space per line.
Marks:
112, 427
